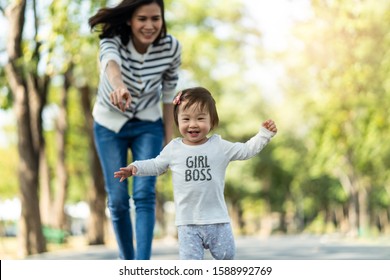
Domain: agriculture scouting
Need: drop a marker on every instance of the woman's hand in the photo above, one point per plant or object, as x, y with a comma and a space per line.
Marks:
121, 98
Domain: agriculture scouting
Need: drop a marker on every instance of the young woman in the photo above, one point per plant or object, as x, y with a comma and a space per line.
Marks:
139, 64
198, 164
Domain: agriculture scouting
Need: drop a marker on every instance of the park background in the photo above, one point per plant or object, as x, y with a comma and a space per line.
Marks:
320, 69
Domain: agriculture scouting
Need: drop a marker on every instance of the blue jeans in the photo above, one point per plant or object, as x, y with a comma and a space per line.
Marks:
145, 139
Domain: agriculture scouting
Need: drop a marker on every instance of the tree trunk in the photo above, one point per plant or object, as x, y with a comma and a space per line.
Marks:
238, 215
340, 219
23, 90
353, 214
97, 194
45, 189
348, 183
30, 234
364, 216
160, 213
60, 221
383, 222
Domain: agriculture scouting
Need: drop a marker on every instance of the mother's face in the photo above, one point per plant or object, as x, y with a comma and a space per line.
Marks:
146, 24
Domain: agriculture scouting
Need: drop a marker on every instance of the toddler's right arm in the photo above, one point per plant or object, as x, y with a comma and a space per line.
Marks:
125, 172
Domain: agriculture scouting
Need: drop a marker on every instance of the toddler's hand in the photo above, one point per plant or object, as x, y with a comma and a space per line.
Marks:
270, 125
125, 172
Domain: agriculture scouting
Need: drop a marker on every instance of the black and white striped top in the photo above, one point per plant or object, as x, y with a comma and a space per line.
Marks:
151, 77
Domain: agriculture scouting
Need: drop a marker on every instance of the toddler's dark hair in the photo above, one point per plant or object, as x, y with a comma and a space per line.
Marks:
200, 96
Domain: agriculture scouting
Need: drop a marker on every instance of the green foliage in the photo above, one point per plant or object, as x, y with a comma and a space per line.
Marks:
8, 172
210, 38
343, 67
5, 94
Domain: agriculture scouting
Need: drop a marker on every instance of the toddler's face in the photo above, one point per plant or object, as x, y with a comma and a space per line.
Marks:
194, 124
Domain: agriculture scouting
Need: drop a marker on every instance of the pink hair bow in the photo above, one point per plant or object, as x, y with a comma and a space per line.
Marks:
176, 101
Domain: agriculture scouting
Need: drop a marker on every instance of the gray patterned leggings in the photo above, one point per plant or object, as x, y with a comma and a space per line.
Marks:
218, 238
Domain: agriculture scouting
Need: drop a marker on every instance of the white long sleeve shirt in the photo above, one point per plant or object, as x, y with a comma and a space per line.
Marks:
198, 174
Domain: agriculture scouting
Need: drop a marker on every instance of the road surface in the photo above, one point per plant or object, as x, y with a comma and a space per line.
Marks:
296, 247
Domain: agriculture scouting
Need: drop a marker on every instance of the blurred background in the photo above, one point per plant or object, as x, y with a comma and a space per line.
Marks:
319, 68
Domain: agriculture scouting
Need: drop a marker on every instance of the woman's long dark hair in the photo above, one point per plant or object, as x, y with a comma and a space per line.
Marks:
112, 22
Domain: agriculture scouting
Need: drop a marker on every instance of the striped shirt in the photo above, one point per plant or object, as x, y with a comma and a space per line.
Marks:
151, 77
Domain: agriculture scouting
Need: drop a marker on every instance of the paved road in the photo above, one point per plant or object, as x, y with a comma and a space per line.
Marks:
299, 247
